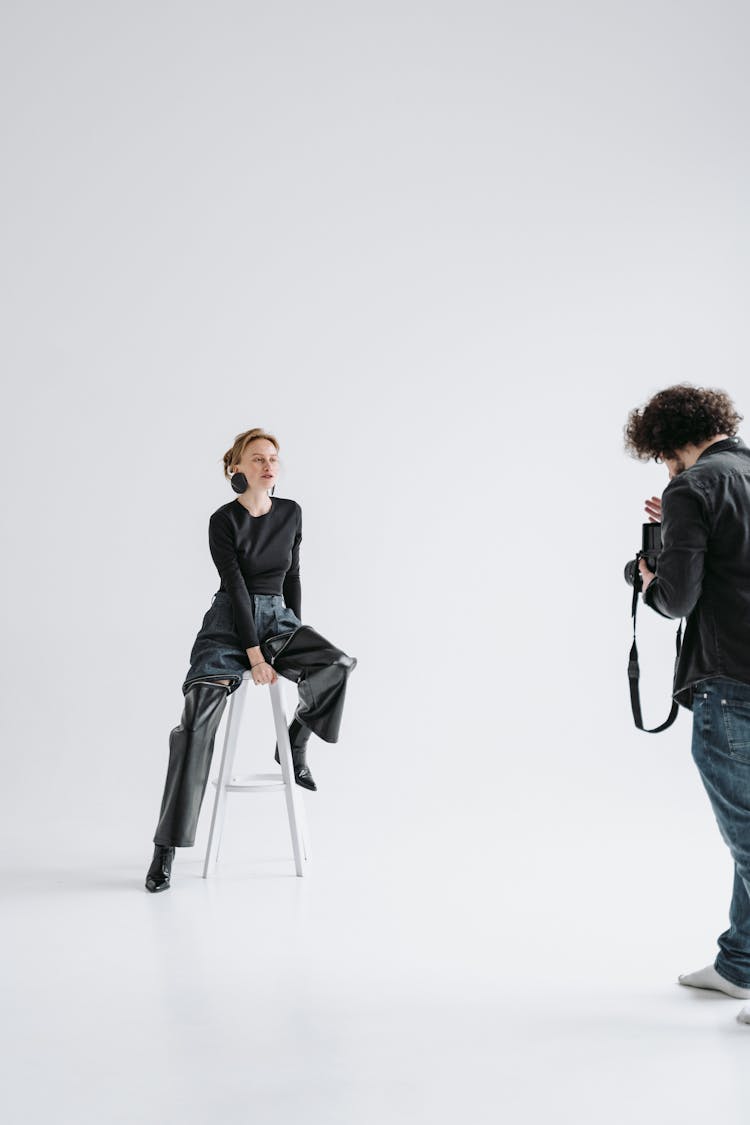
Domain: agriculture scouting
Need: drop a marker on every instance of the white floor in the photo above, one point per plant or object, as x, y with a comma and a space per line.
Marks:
380, 988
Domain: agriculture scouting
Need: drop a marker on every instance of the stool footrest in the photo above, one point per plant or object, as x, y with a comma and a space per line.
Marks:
254, 783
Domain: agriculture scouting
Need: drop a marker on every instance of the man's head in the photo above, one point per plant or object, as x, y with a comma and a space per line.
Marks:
677, 424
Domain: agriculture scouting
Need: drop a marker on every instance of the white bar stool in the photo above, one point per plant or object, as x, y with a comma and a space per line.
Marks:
258, 783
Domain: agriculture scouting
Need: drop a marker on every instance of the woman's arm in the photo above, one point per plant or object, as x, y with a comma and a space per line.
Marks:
292, 587
223, 549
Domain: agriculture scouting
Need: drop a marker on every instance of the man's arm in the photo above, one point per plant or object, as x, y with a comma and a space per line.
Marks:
684, 539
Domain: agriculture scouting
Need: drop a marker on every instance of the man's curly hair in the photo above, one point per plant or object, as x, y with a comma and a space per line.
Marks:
679, 416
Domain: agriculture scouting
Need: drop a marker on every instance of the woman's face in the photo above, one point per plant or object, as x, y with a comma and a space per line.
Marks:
260, 464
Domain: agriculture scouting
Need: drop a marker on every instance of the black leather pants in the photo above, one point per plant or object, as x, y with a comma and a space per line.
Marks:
319, 669
191, 746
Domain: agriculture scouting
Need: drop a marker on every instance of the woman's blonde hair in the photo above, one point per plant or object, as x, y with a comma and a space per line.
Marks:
234, 455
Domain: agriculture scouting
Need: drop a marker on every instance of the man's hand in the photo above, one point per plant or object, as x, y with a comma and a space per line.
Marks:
647, 576
653, 511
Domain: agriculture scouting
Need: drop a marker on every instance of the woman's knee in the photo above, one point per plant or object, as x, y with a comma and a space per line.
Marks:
204, 701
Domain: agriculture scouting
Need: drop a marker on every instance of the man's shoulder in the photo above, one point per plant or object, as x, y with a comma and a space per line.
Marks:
705, 474
686, 495
683, 483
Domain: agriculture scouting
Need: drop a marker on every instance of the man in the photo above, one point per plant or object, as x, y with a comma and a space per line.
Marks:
703, 575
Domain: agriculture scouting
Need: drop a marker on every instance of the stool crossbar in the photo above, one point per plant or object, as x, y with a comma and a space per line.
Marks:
227, 783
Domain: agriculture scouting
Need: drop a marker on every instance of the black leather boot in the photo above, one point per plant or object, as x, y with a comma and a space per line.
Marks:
298, 736
160, 871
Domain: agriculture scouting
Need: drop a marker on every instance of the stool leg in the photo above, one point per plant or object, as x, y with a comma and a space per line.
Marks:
294, 809
231, 737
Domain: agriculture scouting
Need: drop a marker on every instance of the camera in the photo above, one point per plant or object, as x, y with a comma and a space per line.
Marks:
650, 549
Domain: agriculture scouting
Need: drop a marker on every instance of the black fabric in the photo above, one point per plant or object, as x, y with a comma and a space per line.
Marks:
191, 747
218, 651
634, 673
703, 572
320, 670
257, 554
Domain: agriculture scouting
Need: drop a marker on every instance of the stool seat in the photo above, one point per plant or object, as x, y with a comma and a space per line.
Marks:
227, 782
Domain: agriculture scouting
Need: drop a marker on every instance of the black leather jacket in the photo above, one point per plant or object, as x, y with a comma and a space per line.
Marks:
703, 572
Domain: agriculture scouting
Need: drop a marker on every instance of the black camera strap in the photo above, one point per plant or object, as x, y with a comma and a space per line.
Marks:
634, 675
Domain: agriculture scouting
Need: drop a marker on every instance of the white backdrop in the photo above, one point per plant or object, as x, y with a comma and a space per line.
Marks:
440, 250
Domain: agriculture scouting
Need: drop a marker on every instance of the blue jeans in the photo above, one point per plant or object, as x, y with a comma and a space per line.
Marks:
721, 751
319, 668
217, 650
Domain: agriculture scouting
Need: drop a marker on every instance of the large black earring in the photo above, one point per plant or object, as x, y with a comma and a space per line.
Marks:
272, 490
238, 482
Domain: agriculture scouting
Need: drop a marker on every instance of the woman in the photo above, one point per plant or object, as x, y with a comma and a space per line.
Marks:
254, 541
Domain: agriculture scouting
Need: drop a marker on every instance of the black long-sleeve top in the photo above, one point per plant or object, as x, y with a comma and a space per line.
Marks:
258, 555
703, 569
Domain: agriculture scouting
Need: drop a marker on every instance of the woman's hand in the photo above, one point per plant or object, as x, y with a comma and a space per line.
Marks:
263, 673
653, 509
